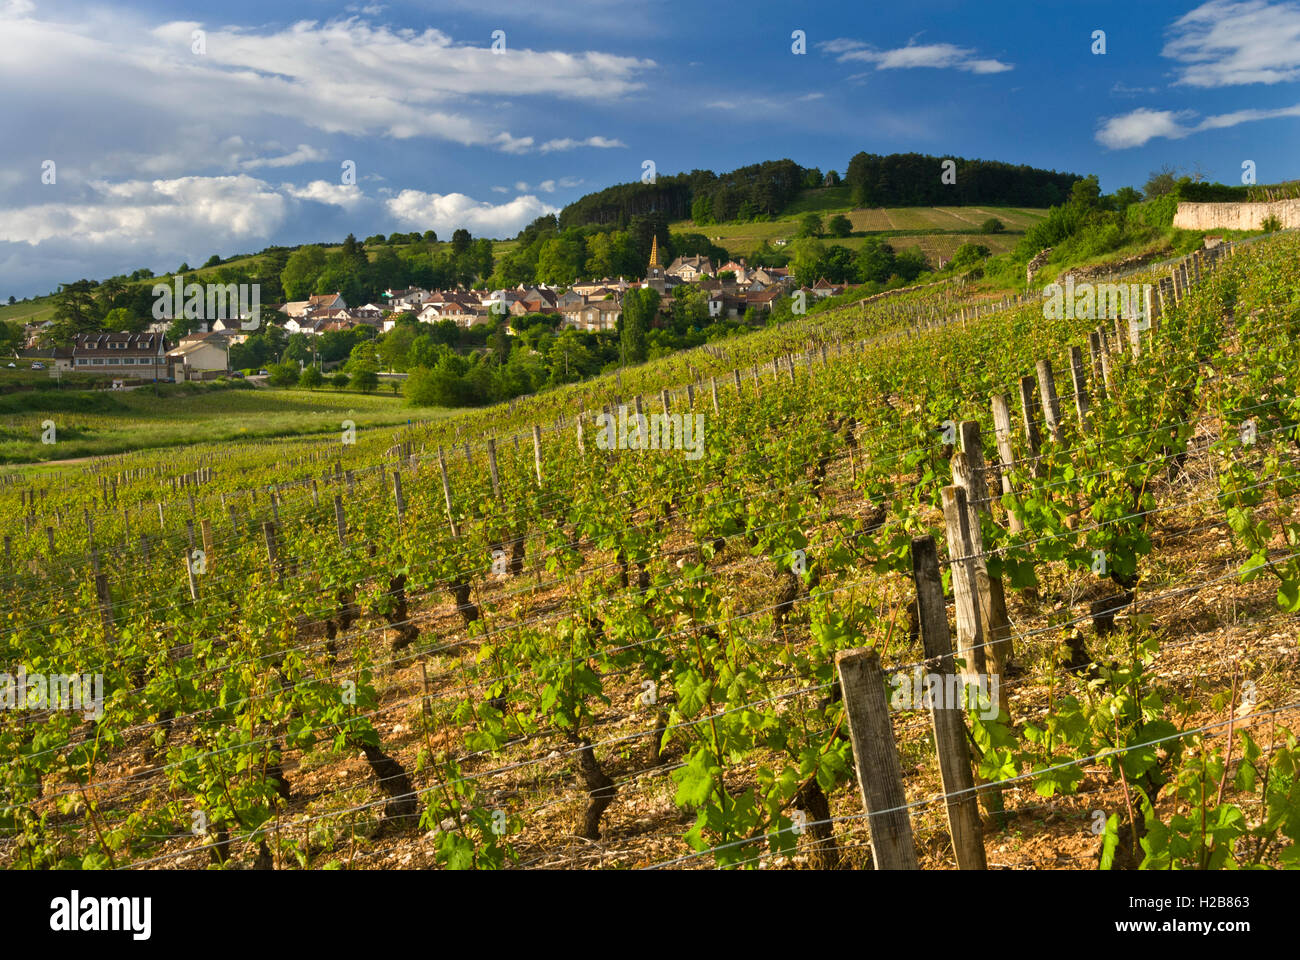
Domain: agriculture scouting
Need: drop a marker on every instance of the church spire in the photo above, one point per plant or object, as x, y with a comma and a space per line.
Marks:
654, 251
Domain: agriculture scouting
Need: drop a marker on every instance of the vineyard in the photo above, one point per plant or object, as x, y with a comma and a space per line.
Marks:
503, 640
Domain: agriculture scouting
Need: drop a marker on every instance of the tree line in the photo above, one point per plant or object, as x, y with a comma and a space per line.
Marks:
915, 179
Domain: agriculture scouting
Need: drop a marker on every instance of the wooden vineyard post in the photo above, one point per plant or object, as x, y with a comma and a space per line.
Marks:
690, 397
1028, 411
272, 548
446, 493
582, 442
961, 550
492, 468
1100, 362
736, 375
205, 527
880, 778
713, 389
641, 438
537, 447
1006, 455
970, 601
340, 521
1051, 404
189, 573
970, 472
947, 718
1079, 380
399, 502
663, 399
105, 605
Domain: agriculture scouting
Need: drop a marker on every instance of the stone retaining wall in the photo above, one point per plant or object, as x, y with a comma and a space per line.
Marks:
1235, 216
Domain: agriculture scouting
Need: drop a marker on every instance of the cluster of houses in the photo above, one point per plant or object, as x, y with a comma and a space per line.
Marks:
731, 289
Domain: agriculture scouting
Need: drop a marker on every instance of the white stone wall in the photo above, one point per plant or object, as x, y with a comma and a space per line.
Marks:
1235, 216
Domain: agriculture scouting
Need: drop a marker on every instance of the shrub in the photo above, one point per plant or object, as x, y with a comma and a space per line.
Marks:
340, 380
992, 225
365, 379
967, 254
810, 226
1271, 224
311, 378
282, 374
839, 226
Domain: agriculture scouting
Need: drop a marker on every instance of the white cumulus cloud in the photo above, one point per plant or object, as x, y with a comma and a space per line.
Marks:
1139, 126
448, 211
1236, 42
937, 56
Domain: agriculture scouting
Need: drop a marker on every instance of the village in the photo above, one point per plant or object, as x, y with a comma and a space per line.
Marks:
732, 290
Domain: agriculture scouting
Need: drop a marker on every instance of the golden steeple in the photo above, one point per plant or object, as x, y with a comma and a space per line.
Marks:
654, 251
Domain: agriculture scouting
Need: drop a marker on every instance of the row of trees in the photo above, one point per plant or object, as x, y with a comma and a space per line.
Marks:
757, 190
764, 190
875, 260
915, 179
546, 253
350, 272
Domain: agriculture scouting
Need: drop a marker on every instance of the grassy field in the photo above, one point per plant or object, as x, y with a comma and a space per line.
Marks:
94, 424
938, 231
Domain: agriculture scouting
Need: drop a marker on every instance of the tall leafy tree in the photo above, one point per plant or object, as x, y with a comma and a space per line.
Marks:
639, 308
75, 311
301, 272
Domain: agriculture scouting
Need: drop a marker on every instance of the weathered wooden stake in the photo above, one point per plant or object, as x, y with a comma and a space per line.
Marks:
1006, 454
105, 605
205, 528
492, 467
961, 551
1029, 415
880, 777
1079, 380
340, 521
947, 718
537, 447
1051, 404
189, 574
446, 493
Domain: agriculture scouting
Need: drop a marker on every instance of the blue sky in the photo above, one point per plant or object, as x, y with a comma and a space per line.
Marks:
168, 145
